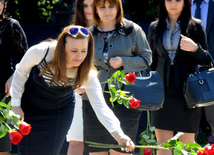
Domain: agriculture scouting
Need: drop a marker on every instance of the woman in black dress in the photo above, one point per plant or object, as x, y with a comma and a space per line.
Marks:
178, 43
13, 44
42, 91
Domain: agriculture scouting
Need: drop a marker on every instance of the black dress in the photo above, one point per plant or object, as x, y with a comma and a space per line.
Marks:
49, 109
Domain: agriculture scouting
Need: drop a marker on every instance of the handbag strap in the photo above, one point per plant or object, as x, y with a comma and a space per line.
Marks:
212, 60
199, 68
148, 71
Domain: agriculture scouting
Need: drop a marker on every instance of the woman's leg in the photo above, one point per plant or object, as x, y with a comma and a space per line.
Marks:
163, 136
4, 153
75, 147
98, 153
187, 138
113, 152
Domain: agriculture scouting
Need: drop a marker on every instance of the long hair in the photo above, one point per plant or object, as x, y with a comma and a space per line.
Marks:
79, 15
119, 7
4, 14
185, 19
58, 64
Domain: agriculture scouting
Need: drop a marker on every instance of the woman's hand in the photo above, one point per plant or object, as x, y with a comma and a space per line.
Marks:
8, 85
79, 90
19, 111
187, 44
116, 62
123, 139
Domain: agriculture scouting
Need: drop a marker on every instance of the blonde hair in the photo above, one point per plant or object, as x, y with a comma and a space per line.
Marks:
58, 64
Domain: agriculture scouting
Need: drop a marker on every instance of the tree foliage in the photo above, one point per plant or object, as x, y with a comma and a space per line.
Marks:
44, 11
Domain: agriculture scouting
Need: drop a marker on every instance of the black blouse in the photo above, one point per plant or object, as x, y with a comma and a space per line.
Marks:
13, 44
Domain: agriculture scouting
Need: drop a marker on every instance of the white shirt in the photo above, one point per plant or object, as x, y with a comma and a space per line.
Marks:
92, 86
204, 11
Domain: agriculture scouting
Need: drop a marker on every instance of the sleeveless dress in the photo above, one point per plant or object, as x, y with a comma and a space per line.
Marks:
49, 108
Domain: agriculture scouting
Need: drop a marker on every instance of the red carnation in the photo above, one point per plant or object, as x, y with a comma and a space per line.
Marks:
212, 146
147, 151
24, 128
134, 103
15, 137
203, 152
209, 150
130, 77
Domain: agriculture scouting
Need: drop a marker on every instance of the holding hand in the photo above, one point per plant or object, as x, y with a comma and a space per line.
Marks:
188, 44
19, 111
116, 62
123, 139
79, 90
8, 85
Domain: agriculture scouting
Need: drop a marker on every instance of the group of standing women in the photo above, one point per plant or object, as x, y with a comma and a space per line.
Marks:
176, 44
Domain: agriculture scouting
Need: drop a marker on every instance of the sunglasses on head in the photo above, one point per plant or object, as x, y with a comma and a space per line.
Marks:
75, 30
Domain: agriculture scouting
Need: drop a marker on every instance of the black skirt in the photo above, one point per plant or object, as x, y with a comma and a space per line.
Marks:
49, 110
175, 115
94, 131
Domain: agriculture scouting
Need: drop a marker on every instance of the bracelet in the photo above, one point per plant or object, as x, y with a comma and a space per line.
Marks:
196, 48
116, 133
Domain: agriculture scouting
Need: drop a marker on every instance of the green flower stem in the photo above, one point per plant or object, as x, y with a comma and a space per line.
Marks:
7, 126
104, 82
3, 100
106, 92
148, 120
101, 145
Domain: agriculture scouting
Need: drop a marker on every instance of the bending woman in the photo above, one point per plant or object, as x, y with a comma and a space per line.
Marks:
42, 91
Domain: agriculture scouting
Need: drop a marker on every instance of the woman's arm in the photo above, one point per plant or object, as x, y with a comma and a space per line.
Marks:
103, 112
136, 63
32, 57
20, 46
94, 92
197, 50
19, 39
151, 44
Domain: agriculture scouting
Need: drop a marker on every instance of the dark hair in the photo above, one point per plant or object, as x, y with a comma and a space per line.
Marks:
185, 19
79, 16
118, 4
3, 14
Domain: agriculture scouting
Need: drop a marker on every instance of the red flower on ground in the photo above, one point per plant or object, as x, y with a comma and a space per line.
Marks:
134, 103
147, 151
24, 128
15, 137
203, 152
209, 149
131, 77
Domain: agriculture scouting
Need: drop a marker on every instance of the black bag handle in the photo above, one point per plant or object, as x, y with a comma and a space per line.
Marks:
212, 60
199, 68
148, 71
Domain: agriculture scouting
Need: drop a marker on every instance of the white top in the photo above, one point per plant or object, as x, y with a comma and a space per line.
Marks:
92, 86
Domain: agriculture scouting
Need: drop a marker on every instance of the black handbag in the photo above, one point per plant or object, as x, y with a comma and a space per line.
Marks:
148, 89
199, 88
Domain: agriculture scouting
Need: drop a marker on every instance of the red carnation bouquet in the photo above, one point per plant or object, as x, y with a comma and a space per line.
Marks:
10, 122
115, 83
